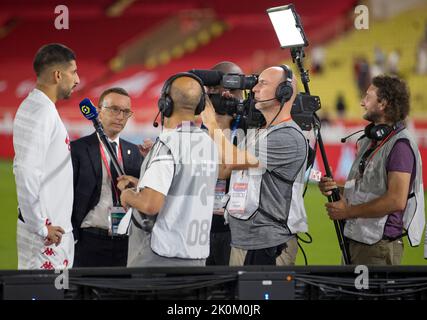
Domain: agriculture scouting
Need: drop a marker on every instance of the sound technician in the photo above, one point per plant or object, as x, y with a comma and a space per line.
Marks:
383, 198
173, 202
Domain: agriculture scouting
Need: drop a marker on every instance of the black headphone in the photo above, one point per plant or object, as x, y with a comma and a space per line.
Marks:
284, 90
377, 133
165, 102
380, 131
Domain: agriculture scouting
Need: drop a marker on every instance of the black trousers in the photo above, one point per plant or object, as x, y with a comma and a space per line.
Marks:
219, 254
265, 256
98, 250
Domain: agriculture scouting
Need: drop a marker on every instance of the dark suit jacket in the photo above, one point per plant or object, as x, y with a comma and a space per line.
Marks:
88, 174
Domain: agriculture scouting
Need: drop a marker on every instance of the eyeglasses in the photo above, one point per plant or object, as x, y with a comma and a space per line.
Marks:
116, 111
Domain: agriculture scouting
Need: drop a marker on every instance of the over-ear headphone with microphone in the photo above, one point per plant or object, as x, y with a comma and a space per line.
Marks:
284, 90
379, 132
375, 132
165, 102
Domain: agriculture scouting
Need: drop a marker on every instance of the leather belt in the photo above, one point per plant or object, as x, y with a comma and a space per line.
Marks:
103, 233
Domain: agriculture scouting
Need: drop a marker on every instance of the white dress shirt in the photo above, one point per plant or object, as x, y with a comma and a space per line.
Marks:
99, 216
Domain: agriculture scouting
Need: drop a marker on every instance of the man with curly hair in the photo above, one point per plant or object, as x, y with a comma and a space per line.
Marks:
383, 198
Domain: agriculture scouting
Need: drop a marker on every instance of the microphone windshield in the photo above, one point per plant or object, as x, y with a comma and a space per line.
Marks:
209, 77
88, 109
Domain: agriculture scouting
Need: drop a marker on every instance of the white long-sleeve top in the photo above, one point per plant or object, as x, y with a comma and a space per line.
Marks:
42, 165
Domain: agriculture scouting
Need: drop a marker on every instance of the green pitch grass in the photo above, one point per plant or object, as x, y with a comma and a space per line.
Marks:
323, 251
8, 217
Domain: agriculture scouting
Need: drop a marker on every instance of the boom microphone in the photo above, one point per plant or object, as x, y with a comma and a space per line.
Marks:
89, 112
155, 123
343, 140
209, 78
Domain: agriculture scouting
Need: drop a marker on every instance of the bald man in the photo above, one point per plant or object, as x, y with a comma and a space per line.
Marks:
266, 208
173, 200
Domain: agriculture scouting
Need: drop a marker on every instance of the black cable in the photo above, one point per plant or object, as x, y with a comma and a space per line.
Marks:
303, 252
277, 114
306, 241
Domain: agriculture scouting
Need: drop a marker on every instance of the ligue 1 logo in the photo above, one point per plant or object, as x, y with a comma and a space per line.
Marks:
88, 109
85, 109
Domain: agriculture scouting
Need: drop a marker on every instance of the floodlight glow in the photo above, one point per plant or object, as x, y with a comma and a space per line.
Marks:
286, 24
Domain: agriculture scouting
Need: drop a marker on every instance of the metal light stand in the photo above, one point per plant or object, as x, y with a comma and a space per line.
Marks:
297, 54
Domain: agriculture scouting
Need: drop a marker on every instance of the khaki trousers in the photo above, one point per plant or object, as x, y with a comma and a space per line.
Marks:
287, 257
385, 252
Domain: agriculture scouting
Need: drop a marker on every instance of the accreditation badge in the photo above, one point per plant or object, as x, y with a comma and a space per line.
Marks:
219, 197
239, 192
116, 215
315, 175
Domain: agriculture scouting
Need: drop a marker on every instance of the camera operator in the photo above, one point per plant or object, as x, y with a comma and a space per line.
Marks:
220, 237
266, 208
383, 198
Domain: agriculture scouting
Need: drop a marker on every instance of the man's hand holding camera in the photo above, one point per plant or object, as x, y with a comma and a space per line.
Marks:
208, 115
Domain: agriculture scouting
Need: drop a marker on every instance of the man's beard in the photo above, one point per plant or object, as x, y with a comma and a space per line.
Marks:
372, 116
64, 94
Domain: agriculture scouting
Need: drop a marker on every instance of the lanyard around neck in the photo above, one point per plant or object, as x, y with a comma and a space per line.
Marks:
107, 166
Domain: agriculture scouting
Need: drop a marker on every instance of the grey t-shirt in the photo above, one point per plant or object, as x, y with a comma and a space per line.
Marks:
286, 155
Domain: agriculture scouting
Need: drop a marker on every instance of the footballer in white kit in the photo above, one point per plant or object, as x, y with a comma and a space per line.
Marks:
42, 165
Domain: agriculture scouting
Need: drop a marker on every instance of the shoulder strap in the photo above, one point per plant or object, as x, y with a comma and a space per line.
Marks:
306, 155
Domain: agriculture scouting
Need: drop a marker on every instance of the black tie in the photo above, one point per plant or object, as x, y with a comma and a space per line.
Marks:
114, 175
